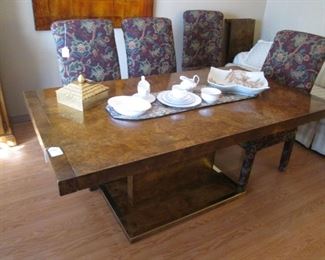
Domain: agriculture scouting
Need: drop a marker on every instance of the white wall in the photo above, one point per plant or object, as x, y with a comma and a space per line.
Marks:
300, 15
28, 59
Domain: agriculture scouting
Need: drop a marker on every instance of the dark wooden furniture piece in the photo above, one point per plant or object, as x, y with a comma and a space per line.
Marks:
239, 36
157, 172
46, 12
6, 135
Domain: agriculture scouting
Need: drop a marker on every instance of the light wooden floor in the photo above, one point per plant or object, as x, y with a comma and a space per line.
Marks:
282, 216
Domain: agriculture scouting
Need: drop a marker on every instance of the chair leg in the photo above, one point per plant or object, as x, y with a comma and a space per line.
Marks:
250, 152
286, 153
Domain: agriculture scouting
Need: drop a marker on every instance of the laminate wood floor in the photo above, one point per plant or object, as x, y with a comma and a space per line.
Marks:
282, 216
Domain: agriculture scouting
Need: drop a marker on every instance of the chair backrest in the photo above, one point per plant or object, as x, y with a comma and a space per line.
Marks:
149, 46
92, 49
203, 39
295, 59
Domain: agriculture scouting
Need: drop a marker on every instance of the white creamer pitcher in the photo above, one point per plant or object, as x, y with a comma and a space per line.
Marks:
189, 83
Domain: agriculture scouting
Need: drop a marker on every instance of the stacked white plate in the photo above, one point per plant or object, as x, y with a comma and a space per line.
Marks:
189, 100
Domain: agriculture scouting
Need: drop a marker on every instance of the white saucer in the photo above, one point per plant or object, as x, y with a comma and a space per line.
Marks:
150, 98
162, 97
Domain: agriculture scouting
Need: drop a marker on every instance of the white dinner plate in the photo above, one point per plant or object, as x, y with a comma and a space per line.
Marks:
163, 98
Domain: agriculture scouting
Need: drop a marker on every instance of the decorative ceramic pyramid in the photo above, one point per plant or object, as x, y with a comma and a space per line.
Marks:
81, 94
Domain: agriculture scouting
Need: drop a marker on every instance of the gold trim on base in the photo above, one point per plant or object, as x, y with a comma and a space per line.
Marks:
154, 214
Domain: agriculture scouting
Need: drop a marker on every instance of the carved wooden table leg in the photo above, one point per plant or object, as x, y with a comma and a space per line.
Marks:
250, 152
287, 150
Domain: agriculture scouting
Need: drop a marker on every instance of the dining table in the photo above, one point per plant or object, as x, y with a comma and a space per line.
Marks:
157, 172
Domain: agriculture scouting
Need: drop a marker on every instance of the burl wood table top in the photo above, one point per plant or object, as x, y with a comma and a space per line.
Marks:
98, 148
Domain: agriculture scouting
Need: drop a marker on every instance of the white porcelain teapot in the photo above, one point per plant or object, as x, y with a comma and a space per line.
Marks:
189, 83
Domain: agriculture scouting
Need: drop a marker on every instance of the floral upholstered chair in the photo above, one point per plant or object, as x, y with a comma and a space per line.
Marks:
294, 60
203, 39
91, 49
149, 46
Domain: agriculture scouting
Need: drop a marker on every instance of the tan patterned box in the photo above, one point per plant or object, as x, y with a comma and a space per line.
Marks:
81, 94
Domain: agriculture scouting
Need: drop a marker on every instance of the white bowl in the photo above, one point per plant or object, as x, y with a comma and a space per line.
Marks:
219, 79
129, 106
210, 95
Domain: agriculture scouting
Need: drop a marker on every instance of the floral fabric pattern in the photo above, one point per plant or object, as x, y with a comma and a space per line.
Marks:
149, 46
203, 39
295, 59
91, 47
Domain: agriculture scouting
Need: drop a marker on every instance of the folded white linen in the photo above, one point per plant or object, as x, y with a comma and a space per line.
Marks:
254, 59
